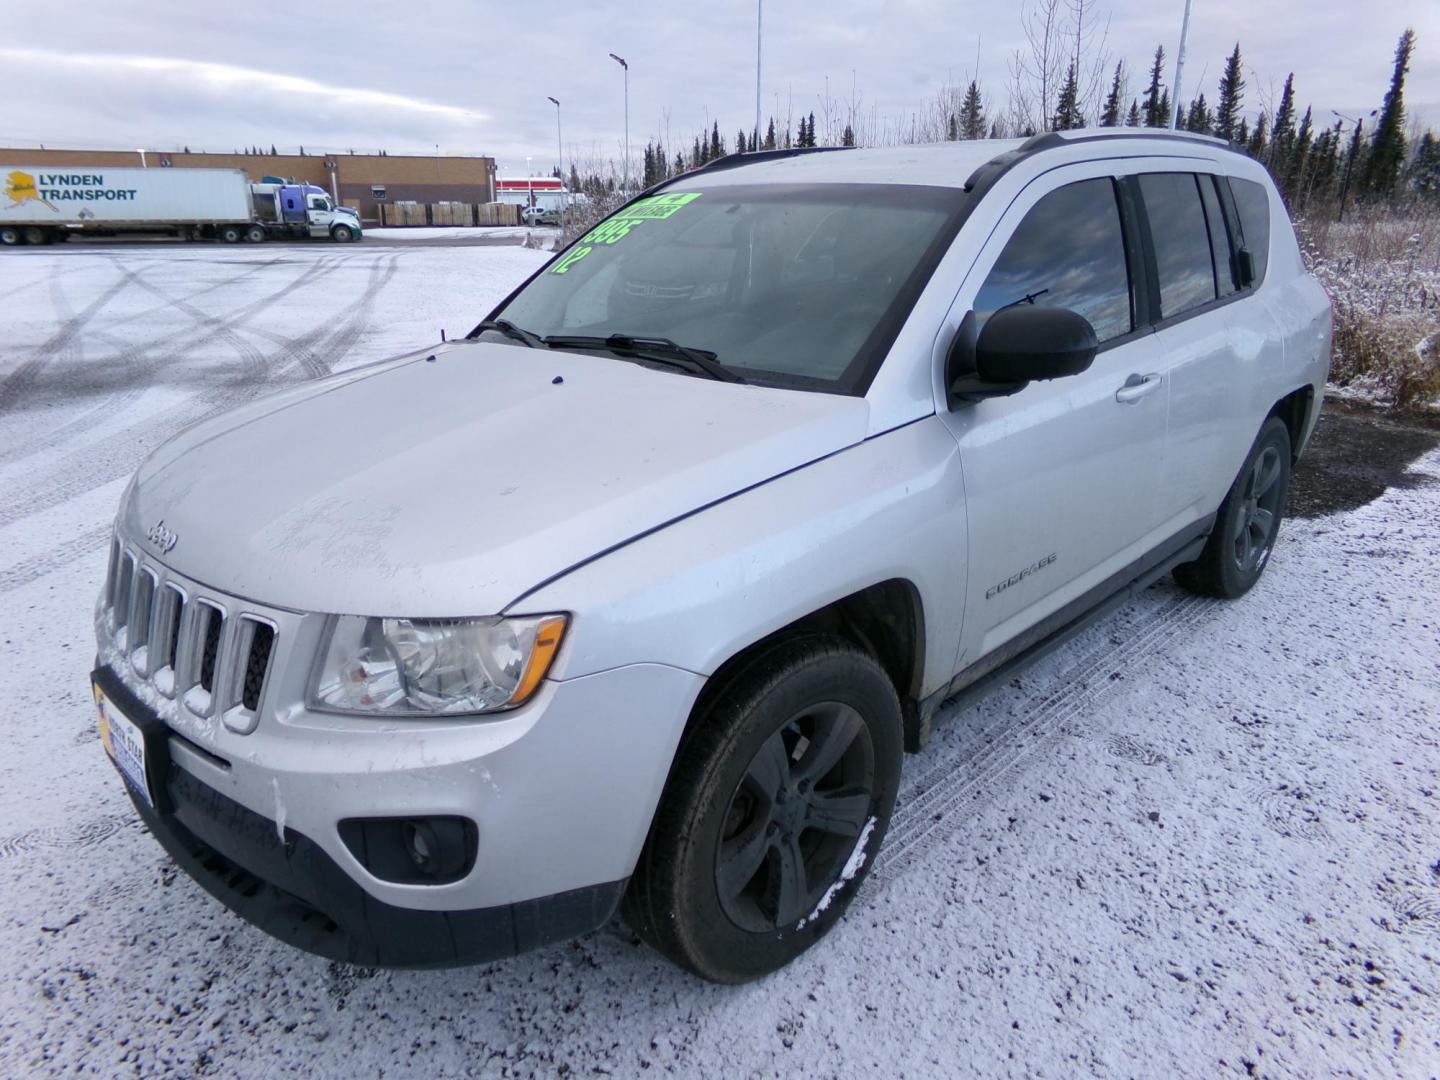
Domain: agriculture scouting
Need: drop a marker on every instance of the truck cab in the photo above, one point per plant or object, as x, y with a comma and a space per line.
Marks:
304, 210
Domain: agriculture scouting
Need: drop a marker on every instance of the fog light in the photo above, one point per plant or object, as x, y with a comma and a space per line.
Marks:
413, 851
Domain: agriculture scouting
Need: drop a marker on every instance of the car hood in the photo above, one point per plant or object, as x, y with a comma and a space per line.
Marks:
451, 486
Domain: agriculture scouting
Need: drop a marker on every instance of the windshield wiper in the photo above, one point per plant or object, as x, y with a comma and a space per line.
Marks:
510, 330
649, 348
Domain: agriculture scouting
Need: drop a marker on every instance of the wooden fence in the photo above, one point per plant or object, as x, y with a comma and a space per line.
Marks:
448, 213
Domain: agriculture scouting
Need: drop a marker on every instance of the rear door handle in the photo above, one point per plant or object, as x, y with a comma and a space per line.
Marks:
1137, 386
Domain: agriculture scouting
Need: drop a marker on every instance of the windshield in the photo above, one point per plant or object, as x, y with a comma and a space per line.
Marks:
792, 285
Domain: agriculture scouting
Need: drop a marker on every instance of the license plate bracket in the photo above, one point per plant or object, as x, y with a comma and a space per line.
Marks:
136, 741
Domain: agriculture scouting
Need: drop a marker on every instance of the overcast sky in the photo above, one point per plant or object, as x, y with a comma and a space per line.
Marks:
473, 77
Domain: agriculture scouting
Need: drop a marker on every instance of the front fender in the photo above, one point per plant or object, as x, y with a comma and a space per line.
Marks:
698, 591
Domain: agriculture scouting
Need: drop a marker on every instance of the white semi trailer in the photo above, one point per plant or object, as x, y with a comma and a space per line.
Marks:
40, 204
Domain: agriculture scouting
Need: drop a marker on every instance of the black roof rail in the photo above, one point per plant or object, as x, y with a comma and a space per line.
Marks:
992, 170
730, 161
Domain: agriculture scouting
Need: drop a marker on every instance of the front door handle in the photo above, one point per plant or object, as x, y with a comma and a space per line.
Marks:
1137, 386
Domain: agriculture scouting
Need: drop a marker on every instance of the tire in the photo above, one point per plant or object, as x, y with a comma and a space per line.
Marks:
342, 234
10, 236
1248, 522
230, 234
255, 234
35, 235
716, 889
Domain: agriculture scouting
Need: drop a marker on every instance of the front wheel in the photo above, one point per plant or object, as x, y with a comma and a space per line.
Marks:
10, 236
1248, 522
773, 815
343, 234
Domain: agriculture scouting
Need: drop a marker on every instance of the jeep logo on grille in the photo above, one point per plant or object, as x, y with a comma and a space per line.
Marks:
161, 537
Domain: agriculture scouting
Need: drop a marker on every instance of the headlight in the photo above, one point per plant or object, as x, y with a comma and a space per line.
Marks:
434, 667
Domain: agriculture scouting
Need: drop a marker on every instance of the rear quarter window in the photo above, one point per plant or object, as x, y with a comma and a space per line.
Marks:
1252, 204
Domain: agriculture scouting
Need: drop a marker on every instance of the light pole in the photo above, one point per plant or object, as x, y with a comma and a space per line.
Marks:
560, 150
625, 168
759, 19
1180, 67
529, 188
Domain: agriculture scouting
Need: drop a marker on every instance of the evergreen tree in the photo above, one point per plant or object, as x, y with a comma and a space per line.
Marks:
740, 146
1256, 145
1067, 107
952, 130
1425, 168
1242, 133
699, 154
1110, 115
273, 151
847, 138
717, 145
1299, 158
1232, 98
679, 165
789, 141
812, 129
1199, 119
972, 113
1282, 131
770, 135
1152, 115
1132, 118
574, 178
1387, 148
647, 177
1165, 110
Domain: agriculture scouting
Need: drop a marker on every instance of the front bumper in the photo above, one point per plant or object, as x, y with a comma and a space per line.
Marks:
561, 792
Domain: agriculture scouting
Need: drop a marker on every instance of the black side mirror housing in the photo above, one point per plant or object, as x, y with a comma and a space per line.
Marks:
1017, 345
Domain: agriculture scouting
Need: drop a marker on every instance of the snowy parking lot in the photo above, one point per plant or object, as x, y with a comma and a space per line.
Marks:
1201, 839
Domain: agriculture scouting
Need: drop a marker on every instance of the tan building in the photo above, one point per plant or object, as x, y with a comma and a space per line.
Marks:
359, 180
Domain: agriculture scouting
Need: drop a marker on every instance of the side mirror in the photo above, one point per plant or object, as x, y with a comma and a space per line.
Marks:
1017, 345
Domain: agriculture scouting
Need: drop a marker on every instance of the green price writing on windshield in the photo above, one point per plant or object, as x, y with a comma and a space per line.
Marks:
613, 230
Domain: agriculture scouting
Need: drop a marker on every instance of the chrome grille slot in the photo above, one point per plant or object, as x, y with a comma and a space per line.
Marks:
257, 663
112, 577
210, 648
121, 607
165, 638
200, 646
142, 602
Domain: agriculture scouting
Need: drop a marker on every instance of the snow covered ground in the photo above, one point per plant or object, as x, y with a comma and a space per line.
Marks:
430, 233
1200, 840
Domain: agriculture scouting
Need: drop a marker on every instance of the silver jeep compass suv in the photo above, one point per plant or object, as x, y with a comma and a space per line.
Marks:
638, 595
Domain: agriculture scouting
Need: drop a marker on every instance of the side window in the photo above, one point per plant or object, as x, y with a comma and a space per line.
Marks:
1182, 243
1068, 251
1227, 277
1252, 203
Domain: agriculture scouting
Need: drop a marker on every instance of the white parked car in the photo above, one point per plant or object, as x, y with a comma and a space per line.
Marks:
643, 589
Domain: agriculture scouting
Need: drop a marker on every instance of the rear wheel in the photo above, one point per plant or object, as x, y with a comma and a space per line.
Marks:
343, 234
10, 236
1240, 545
255, 234
773, 814
231, 234
36, 235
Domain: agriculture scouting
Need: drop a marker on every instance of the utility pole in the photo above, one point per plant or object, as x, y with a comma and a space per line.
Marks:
759, 21
1179, 68
625, 167
560, 150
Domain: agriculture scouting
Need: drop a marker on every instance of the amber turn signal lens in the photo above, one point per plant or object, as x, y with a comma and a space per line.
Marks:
547, 644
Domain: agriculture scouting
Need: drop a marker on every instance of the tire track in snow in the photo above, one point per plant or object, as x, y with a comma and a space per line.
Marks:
122, 452
933, 806
15, 385
140, 362
81, 835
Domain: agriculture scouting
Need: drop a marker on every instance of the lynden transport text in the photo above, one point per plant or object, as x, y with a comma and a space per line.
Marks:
57, 187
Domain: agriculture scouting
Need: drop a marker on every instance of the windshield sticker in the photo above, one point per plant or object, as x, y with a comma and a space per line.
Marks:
613, 230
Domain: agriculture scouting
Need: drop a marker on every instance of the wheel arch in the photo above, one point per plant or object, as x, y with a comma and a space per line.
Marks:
1297, 410
886, 619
